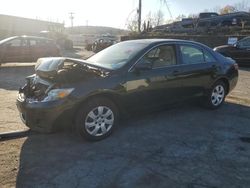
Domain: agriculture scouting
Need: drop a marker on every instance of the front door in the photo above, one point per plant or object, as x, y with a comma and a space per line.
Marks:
12, 51
156, 85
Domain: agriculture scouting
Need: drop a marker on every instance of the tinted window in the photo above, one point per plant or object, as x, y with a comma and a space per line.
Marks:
244, 43
33, 42
49, 42
41, 42
209, 57
161, 56
25, 42
191, 55
15, 42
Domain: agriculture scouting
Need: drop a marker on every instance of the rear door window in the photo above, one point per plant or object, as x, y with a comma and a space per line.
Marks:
33, 42
208, 57
245, 43
191, 55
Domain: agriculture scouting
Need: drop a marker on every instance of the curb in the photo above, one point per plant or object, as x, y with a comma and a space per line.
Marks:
15, 134
10, 65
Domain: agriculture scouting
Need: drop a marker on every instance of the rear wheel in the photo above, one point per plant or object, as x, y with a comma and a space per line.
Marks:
216, 95
96, 119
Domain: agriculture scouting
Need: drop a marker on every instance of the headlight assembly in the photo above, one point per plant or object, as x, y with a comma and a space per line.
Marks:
56, 94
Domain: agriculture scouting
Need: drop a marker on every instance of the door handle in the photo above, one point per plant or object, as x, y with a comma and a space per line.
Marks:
175, 72
214, 67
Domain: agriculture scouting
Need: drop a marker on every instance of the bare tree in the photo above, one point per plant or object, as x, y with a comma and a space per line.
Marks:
242, 6
193, 15
159, 18
227, 9
165, 2
132, 24
180, 17
216, 9
156, 19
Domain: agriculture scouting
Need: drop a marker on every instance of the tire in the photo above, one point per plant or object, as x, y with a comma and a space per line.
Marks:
216, 95
96, 119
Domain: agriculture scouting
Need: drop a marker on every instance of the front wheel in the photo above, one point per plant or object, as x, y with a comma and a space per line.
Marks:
96, 119
216, 95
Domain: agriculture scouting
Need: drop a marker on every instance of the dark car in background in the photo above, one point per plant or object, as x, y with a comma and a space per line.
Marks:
240, 51
27, 49
205, 21
211, 19
127, 77
102, 43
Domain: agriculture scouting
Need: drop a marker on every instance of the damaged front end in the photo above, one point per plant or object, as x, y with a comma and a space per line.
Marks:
44, 97
35, 89
52, 75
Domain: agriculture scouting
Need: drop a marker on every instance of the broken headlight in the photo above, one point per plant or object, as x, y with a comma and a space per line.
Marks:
56, 94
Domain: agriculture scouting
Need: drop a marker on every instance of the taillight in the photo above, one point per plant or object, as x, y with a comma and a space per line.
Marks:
236, 66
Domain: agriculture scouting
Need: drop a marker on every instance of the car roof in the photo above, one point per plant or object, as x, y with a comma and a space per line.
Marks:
34, 37
23, 36
159, 41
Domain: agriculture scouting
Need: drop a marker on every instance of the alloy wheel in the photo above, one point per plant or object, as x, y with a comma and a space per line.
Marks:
218, 95
99, 121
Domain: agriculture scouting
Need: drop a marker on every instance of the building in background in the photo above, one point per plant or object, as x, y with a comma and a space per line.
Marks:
12, 25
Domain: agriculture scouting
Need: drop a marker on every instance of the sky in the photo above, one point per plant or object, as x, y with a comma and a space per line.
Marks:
112, 13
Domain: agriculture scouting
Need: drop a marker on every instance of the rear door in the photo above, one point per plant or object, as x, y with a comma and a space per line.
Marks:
25, 50
38, 48
197, 70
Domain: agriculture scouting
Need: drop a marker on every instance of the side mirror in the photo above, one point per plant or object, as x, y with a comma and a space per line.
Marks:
143, 65
236, 45
239, 45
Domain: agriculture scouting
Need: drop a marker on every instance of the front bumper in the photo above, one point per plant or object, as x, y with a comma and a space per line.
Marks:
41, 116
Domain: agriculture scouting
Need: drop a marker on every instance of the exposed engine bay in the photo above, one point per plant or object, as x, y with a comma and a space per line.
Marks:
52, 73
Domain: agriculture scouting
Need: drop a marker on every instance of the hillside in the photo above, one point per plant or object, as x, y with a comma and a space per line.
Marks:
96, 30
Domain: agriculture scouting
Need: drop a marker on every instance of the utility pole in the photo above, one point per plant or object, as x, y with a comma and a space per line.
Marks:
139, 17
71, 17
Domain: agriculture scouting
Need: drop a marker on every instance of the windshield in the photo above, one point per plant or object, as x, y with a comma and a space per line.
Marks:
117, 55
7, 39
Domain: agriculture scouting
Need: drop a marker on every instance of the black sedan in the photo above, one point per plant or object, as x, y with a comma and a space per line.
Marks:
126, 77
240, 51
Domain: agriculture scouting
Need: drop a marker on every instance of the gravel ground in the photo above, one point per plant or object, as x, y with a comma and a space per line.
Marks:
186, 146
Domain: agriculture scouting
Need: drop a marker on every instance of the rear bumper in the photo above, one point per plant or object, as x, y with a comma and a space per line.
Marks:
41, 116
233, 75
233, 83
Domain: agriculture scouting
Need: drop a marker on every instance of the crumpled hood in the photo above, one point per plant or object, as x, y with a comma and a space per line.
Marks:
65, 69
48, 67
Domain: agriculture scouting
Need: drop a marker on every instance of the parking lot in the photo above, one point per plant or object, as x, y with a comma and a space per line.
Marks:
183, 146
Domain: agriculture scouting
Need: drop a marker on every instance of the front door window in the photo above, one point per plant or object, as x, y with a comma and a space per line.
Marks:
162, 56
